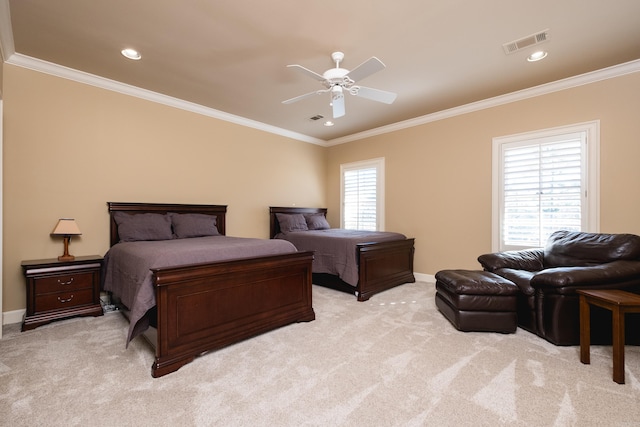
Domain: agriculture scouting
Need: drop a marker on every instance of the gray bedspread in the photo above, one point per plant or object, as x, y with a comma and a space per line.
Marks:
127, 266
335, 249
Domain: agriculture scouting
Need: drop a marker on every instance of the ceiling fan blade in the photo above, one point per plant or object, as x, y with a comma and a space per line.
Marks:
306, 71
338, 107
306, 95
368, 67
374, 94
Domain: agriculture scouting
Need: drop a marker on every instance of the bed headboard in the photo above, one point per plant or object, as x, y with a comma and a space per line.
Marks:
219, 211
274, 225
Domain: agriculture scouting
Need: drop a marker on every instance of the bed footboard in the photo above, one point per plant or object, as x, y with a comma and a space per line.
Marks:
384, 265
204, 307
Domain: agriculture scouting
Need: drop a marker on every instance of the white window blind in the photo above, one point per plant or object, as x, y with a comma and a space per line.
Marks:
543, 189
545, 181
361, 195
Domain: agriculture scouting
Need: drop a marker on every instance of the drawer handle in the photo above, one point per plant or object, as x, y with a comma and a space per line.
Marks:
70, 281
63, 300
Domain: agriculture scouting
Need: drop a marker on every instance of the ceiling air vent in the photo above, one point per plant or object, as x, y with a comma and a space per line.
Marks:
316, 117
524, 42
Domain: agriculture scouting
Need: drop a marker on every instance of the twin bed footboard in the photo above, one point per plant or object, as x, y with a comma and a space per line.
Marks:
383, 266
204, 307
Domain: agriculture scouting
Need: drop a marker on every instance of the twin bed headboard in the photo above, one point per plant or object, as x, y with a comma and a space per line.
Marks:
274, 225
219, 211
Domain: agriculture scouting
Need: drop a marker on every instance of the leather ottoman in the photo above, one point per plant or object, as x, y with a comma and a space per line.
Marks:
477, 301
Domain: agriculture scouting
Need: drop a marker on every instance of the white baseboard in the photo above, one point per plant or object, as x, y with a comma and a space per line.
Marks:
15, 316
421, 277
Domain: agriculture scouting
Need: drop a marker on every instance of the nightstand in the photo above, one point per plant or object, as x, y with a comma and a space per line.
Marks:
61, 289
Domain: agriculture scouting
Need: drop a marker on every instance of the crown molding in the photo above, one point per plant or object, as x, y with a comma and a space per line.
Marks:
6, 31
7, 51
112, 85
115, 86
568, 83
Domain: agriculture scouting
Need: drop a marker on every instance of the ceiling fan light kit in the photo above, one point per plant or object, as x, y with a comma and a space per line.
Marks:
338, 80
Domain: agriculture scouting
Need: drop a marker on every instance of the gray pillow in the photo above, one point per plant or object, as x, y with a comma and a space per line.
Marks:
147, 226
316, 221
291, 222
193, 225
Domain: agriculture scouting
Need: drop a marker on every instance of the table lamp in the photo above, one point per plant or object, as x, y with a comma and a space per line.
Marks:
66, 227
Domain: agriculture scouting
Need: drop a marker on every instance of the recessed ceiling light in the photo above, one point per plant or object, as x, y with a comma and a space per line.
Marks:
131, 54
537, 56
328, 123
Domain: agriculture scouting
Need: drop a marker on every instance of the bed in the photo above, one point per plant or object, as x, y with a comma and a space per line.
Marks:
382, 260
193, 307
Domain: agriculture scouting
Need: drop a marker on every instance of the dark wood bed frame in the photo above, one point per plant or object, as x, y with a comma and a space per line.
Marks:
203, 307
381, 265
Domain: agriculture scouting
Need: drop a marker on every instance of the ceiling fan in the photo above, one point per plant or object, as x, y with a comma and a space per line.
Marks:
338, 80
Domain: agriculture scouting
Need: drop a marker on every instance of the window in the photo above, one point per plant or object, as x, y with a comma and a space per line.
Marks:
362, 195
544, 181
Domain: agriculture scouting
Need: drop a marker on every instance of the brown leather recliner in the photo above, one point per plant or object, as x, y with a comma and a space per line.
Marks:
548, 305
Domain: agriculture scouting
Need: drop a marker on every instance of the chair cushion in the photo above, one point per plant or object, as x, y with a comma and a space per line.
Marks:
528, 260
521, 278
578, 249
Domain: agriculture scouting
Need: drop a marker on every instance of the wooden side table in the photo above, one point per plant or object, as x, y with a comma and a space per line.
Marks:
61, 289
620, 303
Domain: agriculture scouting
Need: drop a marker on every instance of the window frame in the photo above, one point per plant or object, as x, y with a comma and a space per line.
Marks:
591, 176
377, 163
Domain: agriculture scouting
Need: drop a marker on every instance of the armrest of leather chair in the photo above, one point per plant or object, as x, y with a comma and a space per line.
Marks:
528, 259
603, 274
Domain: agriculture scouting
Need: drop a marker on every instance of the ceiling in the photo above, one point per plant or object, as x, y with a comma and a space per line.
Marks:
231, 57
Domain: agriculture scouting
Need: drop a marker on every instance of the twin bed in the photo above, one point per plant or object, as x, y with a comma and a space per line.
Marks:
211, 301
188, 288
358, 262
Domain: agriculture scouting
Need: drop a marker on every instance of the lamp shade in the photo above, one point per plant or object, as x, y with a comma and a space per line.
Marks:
66, 227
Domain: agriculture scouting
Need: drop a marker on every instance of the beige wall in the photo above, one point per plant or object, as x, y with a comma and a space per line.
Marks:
438, 175
69, 148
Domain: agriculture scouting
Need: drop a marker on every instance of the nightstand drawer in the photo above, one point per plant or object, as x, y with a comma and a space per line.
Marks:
63, 283
62, 300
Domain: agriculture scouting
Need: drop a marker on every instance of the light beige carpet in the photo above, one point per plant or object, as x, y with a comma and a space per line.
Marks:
391, 361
